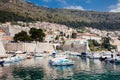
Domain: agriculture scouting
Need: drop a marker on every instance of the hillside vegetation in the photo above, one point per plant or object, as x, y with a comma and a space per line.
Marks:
71, 18
10, 16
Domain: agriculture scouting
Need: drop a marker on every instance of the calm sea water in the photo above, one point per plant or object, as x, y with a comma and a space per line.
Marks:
39, 69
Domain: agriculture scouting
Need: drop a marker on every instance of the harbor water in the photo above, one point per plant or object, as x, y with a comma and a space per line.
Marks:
39, 69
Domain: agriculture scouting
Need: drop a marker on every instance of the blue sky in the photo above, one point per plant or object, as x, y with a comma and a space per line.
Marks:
94, 5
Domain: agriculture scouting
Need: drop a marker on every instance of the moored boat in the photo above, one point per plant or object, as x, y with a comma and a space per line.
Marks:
107, 55
28, 57
74, 54
38, 55
13, 59
115, 59
84, 54
61, 62
94, 55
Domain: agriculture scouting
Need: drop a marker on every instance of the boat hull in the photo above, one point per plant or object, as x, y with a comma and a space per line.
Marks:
60, 62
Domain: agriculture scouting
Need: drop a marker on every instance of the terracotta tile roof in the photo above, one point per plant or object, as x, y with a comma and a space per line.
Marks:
7, 38
1, 31
77, 39
86, 34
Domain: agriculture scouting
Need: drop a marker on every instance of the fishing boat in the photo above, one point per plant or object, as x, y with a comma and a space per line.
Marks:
61, 62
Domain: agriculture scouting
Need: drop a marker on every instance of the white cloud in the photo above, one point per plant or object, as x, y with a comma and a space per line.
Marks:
115, 8
74, 7
46, 0
62, 1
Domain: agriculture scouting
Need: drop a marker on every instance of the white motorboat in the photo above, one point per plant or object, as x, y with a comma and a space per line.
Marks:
13, 59
61, 62
94, 55
101, 55
75, 54
38, 55
115, 59
107, 55
8, 60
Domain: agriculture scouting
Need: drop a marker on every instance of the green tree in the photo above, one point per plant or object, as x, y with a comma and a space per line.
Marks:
57, 37
74, 35
61, 33
119, 38
91, 45
94, 45
67, 36
37, 34
106, 43
72, 45
22, 36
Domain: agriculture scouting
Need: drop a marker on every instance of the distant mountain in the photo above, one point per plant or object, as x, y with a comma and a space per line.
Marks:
73, 18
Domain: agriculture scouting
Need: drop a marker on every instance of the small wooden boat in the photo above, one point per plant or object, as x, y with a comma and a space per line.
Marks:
28, 57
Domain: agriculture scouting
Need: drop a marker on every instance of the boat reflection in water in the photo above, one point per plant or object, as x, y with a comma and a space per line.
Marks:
29, 73
62, 72
39, 69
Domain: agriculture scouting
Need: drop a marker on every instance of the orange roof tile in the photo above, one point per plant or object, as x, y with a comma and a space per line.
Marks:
7, 38
1, 31
86, 34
